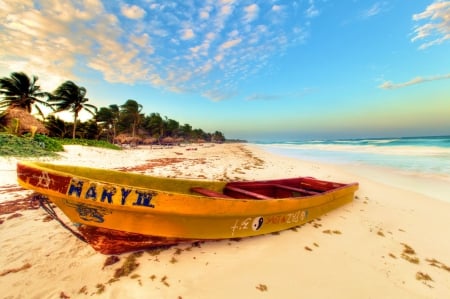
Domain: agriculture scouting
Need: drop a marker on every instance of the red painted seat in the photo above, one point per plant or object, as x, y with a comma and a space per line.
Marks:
208, 192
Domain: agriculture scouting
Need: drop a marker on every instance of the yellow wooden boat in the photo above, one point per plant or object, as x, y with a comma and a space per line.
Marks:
118, 211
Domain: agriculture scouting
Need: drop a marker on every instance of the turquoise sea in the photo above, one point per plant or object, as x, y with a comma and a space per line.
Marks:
419, 155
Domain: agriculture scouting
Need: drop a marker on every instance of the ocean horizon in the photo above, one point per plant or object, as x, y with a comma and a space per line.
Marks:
427, 155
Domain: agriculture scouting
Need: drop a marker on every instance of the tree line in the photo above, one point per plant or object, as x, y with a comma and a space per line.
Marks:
107, 123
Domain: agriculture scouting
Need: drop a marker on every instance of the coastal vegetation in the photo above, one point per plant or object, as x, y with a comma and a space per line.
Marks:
20, 95
42, 145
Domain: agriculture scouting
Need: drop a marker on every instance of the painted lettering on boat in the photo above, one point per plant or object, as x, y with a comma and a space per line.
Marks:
258, 222
110, 194
91, 193
75, 187
242, 224
42, 179
107, 193
89, 212
294, 217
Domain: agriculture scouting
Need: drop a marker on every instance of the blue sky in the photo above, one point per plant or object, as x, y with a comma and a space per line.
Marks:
258, 70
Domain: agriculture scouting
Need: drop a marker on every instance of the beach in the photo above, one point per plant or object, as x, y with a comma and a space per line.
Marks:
390, 242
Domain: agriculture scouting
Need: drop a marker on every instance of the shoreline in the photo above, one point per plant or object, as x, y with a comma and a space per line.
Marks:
386, 243
434, 185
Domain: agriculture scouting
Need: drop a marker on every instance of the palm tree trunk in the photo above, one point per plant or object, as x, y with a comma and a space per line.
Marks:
114, 131
133, 133
74, 125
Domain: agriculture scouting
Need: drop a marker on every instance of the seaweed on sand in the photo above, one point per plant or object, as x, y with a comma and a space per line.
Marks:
15, 270
262, 287
409, 254
129, 265
438, 264
164, 281
111, 260
424, 278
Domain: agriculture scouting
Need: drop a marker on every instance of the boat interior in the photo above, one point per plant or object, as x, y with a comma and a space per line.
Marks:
298, 187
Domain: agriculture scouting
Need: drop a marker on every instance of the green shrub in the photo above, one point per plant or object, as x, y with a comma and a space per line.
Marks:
50, 144
11, 145
41, 145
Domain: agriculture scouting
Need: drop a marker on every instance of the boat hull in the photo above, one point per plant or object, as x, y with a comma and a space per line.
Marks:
168, 210
110, 241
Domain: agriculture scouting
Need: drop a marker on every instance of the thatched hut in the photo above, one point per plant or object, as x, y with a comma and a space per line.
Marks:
125, 138
19, 121
149, 140
168, 141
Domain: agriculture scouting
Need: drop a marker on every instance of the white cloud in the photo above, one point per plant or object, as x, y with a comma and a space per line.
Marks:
40, 34
225, 7
251, 13
132, 11
218, 57
143, 41
230, 44
312, 11
218, 95
206, 67
372, 11
201, 49
195, 49
277, 8
187, 34
30, 37
414, 81
208, 50
233, 34
436, 28
204, 15
205, 12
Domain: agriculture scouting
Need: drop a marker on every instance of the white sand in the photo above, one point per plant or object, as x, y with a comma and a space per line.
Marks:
360, 258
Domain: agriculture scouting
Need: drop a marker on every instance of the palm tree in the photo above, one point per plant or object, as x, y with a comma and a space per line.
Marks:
109, 116
19, 91
218, 137
69, 96
57, 127
186, 130
115, 114
172, 127
131, 114
154, 124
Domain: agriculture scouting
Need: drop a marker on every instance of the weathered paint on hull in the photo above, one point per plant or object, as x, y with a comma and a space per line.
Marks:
110, 241
167, 208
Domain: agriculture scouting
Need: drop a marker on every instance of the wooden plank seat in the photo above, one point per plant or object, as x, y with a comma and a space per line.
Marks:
295, 189
208, 192
241, 191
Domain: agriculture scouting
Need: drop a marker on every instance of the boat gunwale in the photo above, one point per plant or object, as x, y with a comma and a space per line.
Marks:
308, 201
